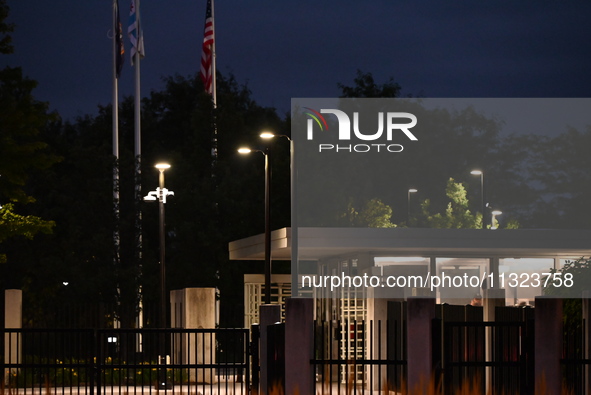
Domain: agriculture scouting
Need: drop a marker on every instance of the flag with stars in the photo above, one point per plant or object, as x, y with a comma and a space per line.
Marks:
120, 48
207, 71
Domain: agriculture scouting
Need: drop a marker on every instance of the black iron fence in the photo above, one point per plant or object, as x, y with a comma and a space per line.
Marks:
575, 365
121, 361
356, 356
505, 366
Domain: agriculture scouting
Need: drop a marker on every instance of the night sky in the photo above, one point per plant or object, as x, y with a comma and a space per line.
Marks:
285, 49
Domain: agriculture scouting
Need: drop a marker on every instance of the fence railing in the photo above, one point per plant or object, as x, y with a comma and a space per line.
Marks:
575, 365
505, 366
126, 361
356, 356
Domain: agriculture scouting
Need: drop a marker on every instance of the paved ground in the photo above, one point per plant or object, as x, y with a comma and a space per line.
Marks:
222, 388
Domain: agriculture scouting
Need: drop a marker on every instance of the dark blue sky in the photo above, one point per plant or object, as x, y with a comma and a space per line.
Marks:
284, 49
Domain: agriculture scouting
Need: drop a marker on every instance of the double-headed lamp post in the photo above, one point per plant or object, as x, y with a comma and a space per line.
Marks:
267, 299
160, 194
481, 174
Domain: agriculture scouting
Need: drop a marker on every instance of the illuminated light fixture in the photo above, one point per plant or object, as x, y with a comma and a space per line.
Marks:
494, 215
267, 135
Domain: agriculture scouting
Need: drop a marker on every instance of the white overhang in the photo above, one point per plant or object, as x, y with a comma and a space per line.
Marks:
318, 243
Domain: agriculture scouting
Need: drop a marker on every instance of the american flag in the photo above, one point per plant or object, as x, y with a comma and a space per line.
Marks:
120, 48
207, 51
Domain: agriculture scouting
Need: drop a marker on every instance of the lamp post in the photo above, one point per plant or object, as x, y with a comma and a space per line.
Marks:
267, 299
481, 174
493, 218
412, 190
160, 194
293, 214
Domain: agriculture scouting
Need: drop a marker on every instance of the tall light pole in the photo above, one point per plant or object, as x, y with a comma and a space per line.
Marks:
412, 190
160, 194
293, 214
481, 174
267, 299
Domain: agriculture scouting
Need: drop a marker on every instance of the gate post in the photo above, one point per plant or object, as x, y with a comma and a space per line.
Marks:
194, 308
548, 343
13, 318
269, 315
299, 346
420, 314
255, 357
587, 340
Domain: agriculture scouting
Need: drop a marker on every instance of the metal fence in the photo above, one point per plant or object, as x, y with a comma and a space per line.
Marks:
506, 366
121, 361
357, 356
575, 365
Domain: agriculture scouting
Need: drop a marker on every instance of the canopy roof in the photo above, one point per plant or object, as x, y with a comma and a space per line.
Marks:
318, 243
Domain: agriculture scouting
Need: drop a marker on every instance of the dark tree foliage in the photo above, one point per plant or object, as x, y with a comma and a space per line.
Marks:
5, 28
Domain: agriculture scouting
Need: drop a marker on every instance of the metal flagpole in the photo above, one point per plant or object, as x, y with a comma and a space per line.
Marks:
214, 89
138, 142
115, 120
213, 56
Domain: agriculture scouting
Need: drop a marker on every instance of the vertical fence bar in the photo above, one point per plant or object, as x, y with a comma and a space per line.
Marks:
254, 350
371, 347
246, 361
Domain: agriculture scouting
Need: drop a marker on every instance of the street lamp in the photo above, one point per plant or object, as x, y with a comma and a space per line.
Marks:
267, 220
293, 214
160, 194
481, 174
494, 217
412, 190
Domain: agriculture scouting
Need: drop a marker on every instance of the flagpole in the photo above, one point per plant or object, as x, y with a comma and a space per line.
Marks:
214, 91
138, 144
213, 66
115, 121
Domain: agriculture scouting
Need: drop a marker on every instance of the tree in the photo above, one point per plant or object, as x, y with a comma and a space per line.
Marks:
215, 201
560, 168
5, 29
457, 213
365, 87
451, 143
13, 224
373, 214
22, 118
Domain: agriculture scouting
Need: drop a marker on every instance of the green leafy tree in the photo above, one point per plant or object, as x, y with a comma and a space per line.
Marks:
457, 213
579, 271
13, 224
372, 214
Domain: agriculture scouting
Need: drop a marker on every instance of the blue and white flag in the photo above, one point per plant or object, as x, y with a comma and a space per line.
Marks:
134, 32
